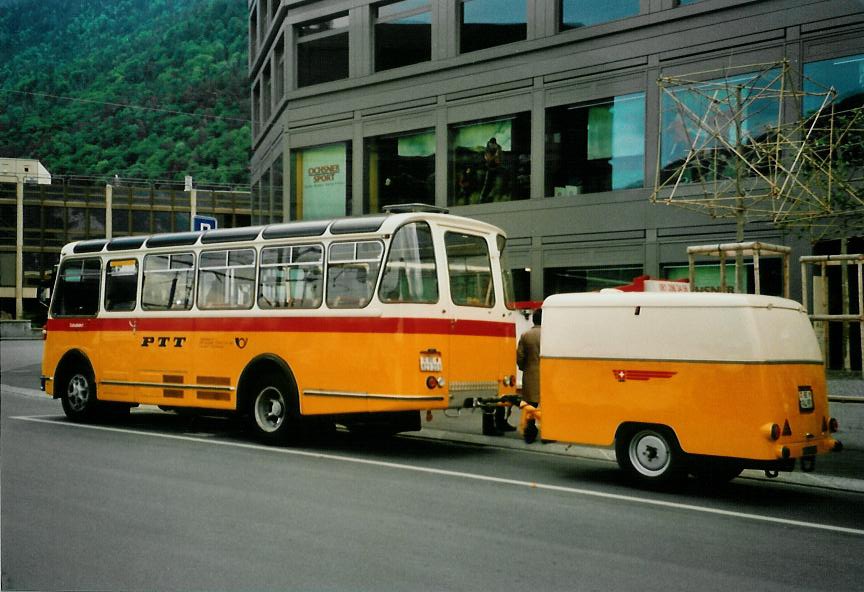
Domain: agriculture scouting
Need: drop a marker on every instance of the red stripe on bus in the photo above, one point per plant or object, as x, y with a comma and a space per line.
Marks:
289, 324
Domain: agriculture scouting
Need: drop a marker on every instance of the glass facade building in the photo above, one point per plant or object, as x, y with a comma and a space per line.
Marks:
541, 116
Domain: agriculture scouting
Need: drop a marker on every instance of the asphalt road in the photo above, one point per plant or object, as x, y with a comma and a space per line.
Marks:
162, 502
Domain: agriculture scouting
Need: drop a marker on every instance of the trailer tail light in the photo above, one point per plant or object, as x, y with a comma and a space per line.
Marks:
774, 431
434, 382
44, 334
833, 425
509, 380
787, 431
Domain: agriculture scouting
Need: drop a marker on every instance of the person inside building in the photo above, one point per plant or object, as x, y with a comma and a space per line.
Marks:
528, 360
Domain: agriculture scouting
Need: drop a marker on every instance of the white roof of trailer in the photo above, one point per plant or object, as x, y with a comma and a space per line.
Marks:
613, 299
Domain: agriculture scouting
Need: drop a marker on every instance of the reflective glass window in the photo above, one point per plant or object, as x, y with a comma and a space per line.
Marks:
490, 160
322, 51
557, 280
707, 127
400, 169
403, 34
584, 13
597, 146
487, 23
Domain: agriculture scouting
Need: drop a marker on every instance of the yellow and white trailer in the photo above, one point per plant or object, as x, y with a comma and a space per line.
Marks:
685, 382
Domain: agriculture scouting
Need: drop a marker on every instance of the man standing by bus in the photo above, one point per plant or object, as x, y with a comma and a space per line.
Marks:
528, 360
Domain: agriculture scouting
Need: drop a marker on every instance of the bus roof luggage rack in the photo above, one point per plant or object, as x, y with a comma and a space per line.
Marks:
412, 208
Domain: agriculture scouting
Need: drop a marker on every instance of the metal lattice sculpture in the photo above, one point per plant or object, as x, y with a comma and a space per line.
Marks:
726, 151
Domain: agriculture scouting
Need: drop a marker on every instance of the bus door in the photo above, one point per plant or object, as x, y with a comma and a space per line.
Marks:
163, 351
118, 348
474, 349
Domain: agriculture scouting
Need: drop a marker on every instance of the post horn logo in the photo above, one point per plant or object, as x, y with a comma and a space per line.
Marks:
241, 342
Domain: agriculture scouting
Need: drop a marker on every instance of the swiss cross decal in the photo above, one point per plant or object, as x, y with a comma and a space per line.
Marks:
625, 375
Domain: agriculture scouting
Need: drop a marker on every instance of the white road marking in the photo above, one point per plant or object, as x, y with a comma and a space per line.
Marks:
458, 475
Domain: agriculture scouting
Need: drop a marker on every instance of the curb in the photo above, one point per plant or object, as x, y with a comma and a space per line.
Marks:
608, 455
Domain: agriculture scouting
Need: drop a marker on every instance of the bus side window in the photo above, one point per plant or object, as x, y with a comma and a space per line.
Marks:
352, 271
410, 274
121, 284
291, 277
226, 279
169, 281
470, 270
78, 288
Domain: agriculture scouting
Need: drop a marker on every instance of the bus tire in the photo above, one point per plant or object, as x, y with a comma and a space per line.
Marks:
78, 393
273, 409
650, 455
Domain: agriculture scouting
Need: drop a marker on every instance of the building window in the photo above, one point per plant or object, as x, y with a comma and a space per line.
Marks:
400, 169
321, 178
403, 34
558, 280
701, 123
322, 51
846, 76
279, 70
256, 109
598, 146
267, 96
487, 23
253, 32
278, 191
584, 13
490, 160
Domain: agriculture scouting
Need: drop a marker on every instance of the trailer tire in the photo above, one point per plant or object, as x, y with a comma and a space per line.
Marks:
650, 454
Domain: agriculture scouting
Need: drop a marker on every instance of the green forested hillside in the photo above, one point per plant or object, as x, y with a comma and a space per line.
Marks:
180, 56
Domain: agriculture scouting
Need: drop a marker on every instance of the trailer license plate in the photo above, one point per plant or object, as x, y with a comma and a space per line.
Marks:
430, 363
805, 398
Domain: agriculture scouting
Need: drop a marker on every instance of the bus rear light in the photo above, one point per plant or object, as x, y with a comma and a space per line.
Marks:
434, 382
833, 425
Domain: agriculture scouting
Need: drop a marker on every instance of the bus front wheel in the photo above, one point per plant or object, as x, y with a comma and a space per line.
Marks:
78, 394
273, 410
650, 455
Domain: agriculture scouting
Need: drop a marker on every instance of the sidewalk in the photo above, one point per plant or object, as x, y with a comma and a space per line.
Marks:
465, 427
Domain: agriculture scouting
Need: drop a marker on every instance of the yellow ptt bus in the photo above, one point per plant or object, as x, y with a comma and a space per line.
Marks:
357, 321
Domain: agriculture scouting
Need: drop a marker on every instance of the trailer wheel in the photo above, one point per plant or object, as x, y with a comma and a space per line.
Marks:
650, 454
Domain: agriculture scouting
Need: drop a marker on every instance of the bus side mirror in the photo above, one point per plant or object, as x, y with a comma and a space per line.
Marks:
45, 296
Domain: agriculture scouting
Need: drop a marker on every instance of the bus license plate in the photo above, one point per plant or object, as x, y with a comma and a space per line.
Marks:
805, 398
430, 363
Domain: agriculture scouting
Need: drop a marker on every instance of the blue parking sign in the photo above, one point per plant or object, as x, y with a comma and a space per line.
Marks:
203, 223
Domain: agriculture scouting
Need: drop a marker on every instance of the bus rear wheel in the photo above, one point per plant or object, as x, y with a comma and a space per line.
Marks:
78, 394
650, 455
273, 411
